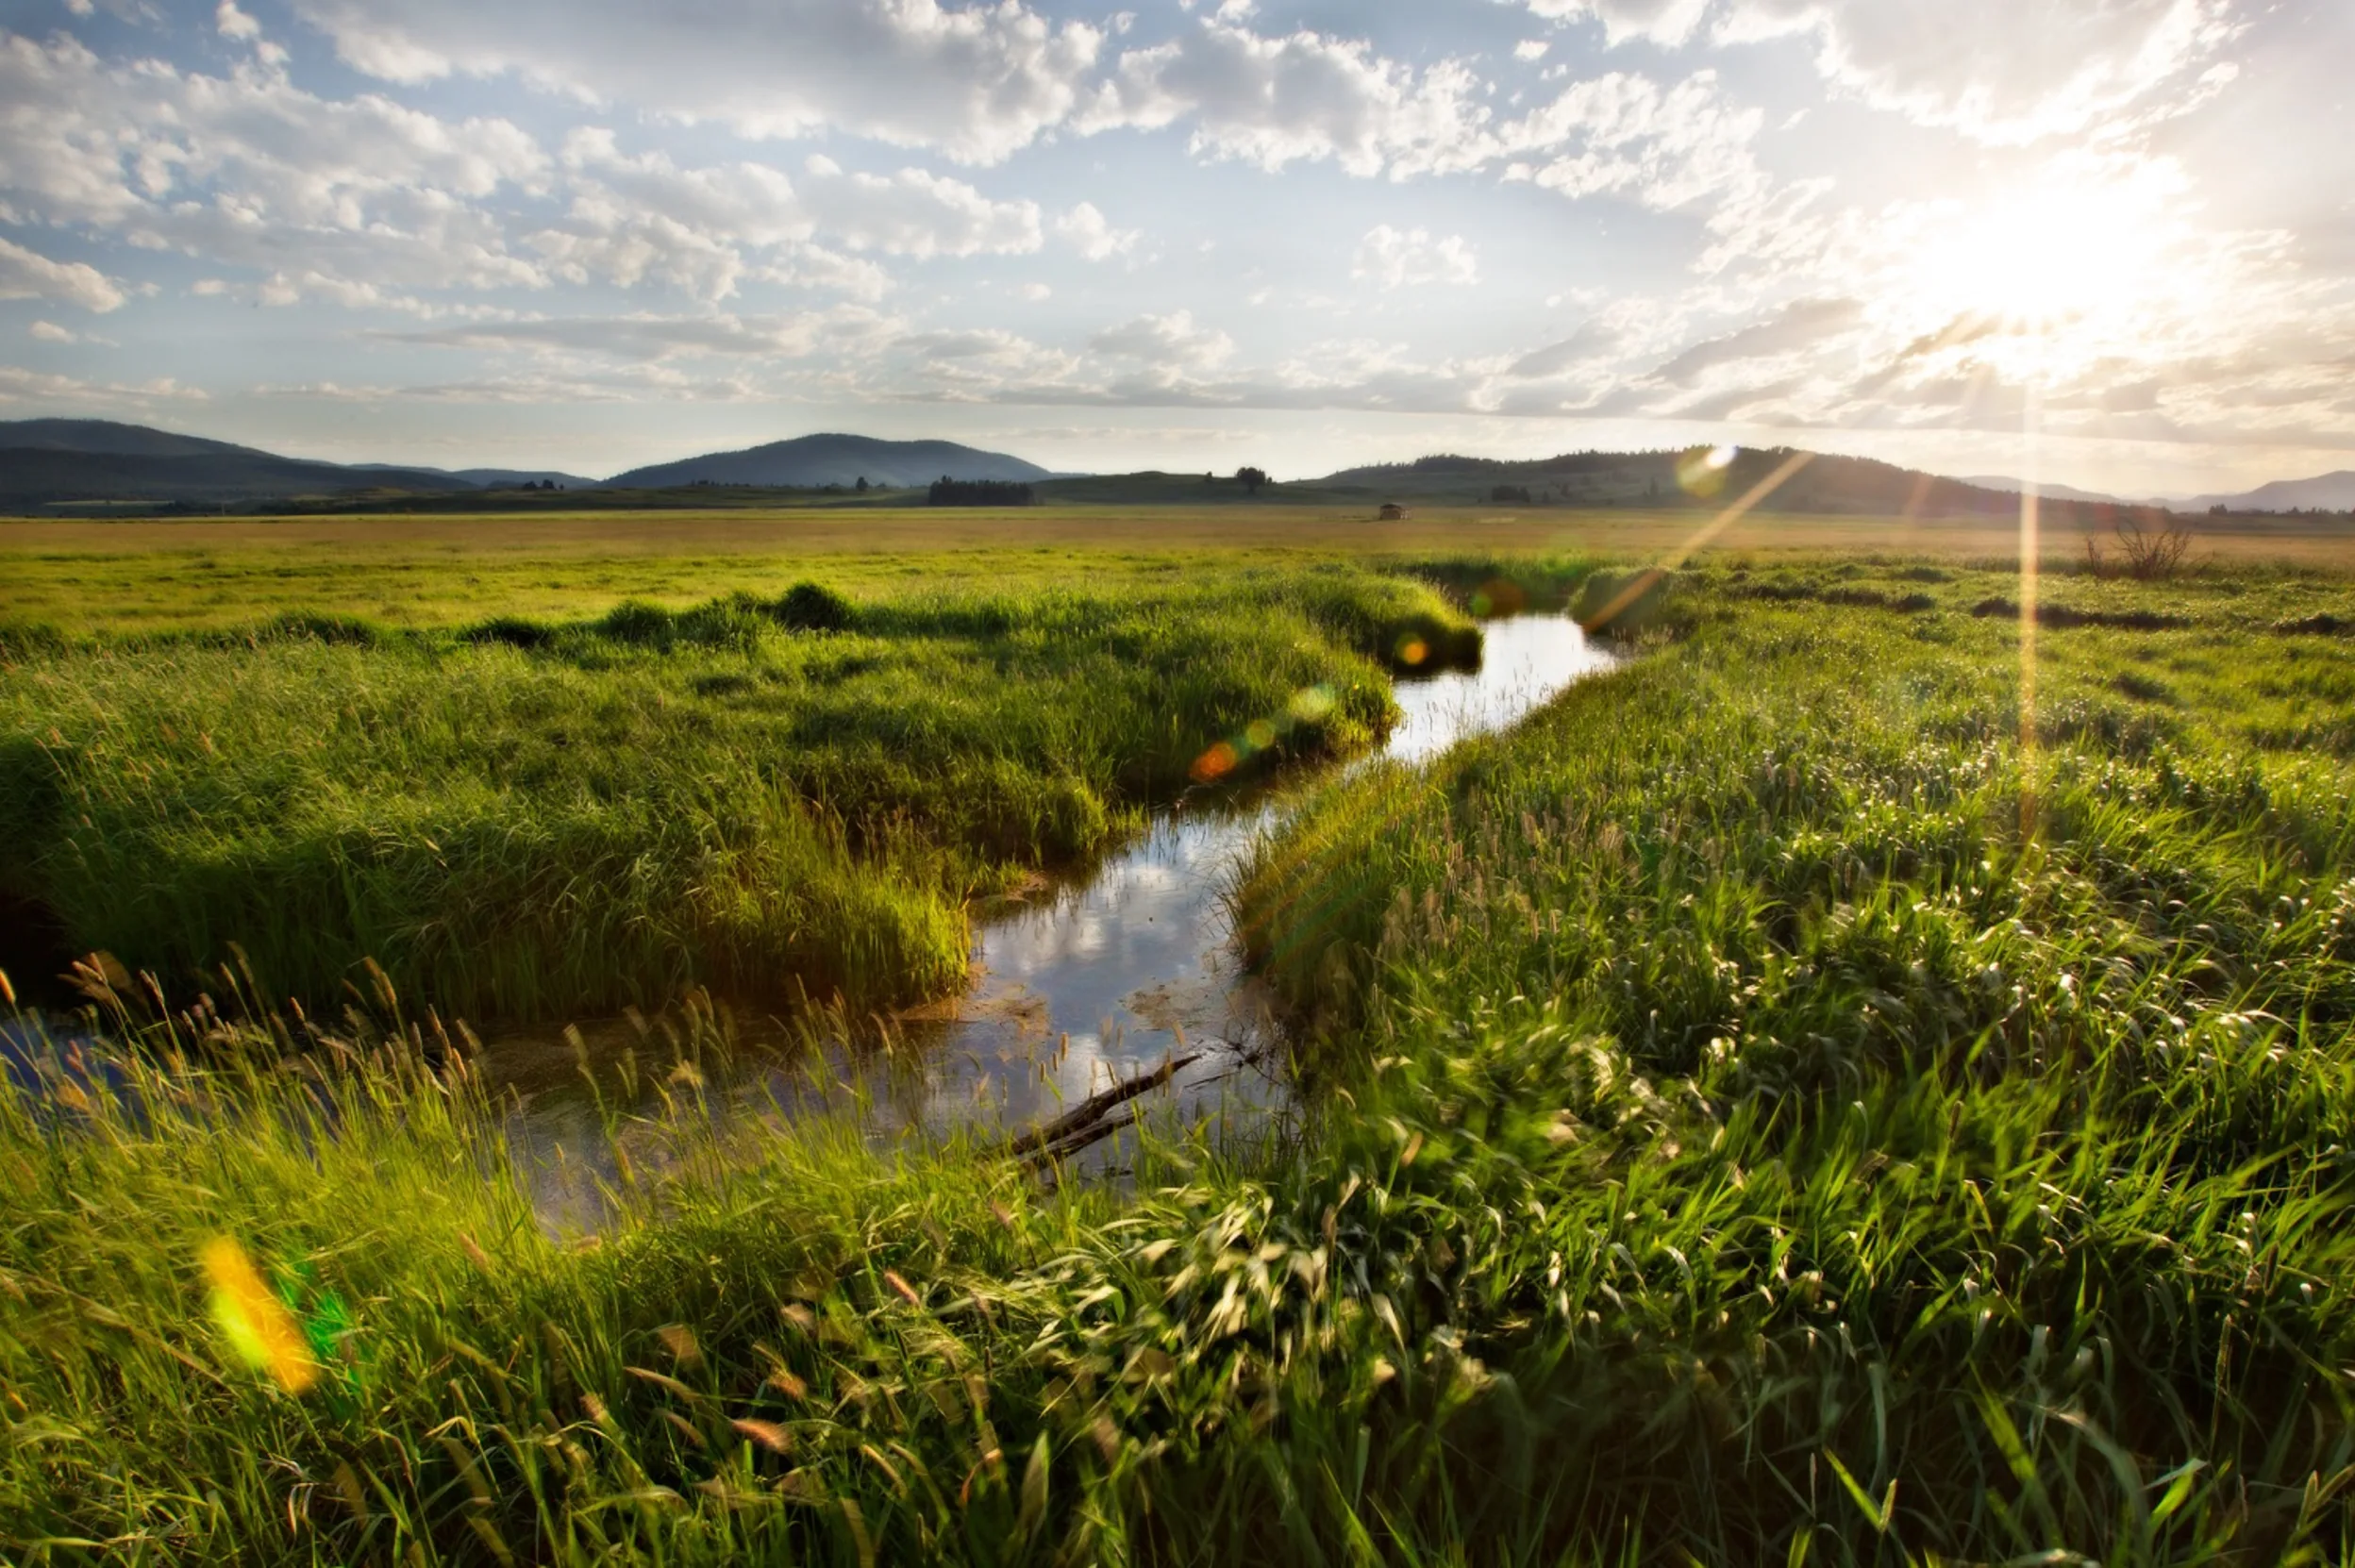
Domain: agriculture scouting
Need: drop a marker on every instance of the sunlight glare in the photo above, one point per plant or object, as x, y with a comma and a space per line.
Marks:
2051, 274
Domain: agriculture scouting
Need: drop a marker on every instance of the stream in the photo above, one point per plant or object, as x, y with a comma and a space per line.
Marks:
1085, 986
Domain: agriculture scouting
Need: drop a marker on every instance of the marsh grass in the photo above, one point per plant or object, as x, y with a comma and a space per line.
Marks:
1729, 1140
780, 797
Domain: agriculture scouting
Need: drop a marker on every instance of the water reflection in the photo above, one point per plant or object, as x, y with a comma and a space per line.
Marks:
1083, 987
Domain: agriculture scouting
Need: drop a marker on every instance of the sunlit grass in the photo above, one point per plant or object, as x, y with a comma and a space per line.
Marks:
1725, 1141
530, 819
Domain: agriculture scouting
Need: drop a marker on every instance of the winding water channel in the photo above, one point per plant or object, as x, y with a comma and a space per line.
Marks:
1087, 985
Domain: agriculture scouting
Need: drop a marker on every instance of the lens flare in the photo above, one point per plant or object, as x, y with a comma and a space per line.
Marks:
1412, 650
1702, 472
257, 1324
1498, 596
1311, 703
1643, 582
2032, 549
1215, 764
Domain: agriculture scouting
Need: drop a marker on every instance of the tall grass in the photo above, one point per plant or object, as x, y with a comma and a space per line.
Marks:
518, 819
1875, 1158
1730, 1140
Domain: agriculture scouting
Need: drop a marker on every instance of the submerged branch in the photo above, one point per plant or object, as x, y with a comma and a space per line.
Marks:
1080, 1117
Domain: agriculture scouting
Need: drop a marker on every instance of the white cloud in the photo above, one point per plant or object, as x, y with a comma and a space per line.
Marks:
976, 83
44, 390
50, 332
27, 274
1662, 21
1529, 49
1627, 135
368, 204
2001, 71
364, 195
649, 338
810, 266
1799, 327
1273, 101
1090, 233
1168, 345
1395, 257
232, 23
915, 213
638, 217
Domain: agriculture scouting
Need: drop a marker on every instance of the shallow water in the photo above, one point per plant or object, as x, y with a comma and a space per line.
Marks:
1085, 986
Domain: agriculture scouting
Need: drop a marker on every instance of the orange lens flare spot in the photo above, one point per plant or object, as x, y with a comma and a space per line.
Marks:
254, 1321
1215, 764
1412, 650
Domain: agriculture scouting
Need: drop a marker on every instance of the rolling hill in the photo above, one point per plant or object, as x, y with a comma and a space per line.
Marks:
2328, 492
78, 465
1826, 484
810, 461
61, 461
108, 438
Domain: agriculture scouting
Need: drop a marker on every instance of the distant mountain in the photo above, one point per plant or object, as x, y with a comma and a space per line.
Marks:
106, 438
488, 479
833, 460
2328, 492
33, 477
62, 462
2063, 493
496, 478
1827, 484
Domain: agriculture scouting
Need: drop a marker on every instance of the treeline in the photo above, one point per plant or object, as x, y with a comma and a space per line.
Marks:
980, 493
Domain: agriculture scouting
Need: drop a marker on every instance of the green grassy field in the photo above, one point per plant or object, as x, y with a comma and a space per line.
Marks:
520, 818
1758, 1109
85, 578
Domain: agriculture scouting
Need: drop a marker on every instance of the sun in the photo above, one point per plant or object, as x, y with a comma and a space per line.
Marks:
2050, 272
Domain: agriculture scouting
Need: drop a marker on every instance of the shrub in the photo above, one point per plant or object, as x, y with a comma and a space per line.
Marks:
643, 624
733, 623
511, 630
808, 607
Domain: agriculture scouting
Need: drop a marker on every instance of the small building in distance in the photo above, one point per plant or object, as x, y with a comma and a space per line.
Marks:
1392, 512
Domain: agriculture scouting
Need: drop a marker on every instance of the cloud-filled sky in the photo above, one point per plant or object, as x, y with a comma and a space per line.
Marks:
588, 234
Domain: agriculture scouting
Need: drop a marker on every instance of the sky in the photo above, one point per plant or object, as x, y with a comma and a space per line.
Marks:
2110, 240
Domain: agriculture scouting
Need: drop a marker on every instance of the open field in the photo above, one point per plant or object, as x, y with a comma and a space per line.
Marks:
777, 793
436, 571
1774, 1104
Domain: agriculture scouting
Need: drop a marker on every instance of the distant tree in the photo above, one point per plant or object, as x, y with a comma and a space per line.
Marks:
980, 492
862, 484
1519, 493
1252, 479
